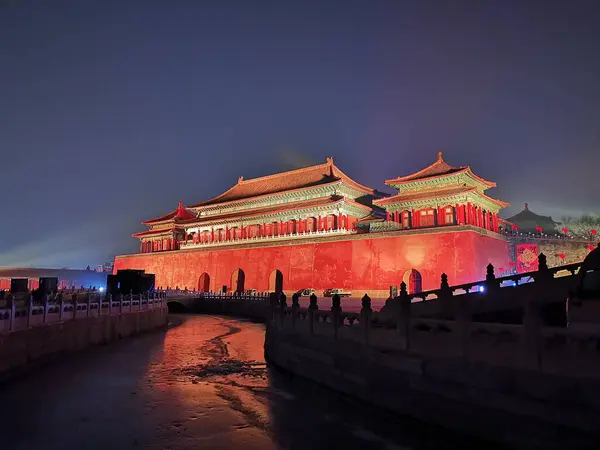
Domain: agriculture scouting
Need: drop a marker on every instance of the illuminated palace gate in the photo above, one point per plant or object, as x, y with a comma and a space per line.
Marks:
317, 228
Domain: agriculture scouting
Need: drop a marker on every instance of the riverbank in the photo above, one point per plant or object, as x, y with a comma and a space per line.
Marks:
203, 383
26, 349
518, 408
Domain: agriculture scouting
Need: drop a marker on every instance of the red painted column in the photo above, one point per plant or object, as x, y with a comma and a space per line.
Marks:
440, 216
495, 223
141, 249
415, 219
387, 216
212, 235
304, 225
339, 221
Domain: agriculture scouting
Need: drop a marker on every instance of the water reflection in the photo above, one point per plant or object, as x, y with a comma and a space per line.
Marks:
202, 384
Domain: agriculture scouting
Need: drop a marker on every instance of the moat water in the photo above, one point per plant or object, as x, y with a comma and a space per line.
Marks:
203, 384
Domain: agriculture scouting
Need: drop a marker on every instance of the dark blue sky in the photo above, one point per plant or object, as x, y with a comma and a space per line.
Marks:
112, 111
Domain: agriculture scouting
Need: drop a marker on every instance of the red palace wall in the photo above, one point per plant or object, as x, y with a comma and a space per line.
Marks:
362, 264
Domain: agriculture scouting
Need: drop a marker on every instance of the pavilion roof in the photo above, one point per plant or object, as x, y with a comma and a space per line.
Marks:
176, 215
317, 175
424, 194
438, 169
433, 194
527, 220
285, 207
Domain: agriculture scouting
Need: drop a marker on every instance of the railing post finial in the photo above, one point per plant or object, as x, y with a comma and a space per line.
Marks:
490, 273
444, 284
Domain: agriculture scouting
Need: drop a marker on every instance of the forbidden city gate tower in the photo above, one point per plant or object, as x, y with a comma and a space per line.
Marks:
316, 227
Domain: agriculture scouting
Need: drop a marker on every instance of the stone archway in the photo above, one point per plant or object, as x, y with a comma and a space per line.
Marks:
204, 282
413, 280
276, 281
238, 277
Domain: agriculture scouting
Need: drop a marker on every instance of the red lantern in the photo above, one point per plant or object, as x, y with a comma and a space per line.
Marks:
565, 230
501, 269
594, 232
539, 229
591, 247
562, 256
514, 227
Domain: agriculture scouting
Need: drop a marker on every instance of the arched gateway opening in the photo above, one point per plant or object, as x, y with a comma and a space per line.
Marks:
204, 282
413, 280
276, 281
237, 281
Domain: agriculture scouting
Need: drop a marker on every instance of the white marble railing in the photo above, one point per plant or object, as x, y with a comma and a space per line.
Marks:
529, 345
281, 237
16, 318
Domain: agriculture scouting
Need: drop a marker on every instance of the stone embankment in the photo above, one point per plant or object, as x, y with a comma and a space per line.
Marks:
528, 385
32, 334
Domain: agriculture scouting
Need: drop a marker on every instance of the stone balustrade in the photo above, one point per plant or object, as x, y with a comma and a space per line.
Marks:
280, 237
528, 345
21, 315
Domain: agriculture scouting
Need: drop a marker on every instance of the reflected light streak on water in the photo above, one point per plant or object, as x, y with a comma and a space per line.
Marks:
202, 384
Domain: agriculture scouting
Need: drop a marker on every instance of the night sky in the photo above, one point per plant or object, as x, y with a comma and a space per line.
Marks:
112, 111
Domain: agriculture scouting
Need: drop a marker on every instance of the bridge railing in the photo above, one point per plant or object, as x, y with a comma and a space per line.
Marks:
59, 308
527, 345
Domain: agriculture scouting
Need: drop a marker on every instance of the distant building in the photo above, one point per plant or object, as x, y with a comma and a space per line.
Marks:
106, 267
527, 221
66, 277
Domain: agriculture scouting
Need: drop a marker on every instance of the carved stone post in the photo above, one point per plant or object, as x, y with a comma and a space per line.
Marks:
531, 334
295, 308
10, 302
120, 303
365, 316
273, 306
445, 297
312, 308
45, 304
282, 308
61, 304
463, 323
543, 270
88, 305
336, 311
490, 278
30, 311
403, 319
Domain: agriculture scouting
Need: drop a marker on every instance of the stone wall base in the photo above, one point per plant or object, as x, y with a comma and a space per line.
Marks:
518, 408
24, 349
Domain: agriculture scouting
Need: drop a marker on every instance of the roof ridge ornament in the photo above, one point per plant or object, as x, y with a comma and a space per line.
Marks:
440, 156
329, 160
527, 206
240, 179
